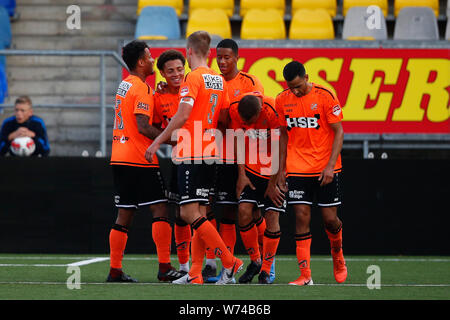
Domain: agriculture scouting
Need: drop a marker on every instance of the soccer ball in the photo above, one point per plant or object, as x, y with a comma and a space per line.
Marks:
23, 146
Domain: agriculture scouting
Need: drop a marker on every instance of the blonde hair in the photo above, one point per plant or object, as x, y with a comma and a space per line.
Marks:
23, 99
199, 41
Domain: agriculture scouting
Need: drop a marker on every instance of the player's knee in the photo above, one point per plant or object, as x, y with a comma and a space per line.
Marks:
331, 223
245, 215
272, 221
159, 210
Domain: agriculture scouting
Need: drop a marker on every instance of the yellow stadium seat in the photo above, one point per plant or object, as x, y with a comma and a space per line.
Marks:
360, 38
400, 4
329, 5
247, 5
383, 4
214, 21
227, 5
152, 38
263, 25
311, 24
176, 4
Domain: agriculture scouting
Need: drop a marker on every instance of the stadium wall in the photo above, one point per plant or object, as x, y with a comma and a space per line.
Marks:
65, 205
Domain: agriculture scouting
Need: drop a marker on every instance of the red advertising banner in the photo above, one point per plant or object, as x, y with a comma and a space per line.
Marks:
381, 90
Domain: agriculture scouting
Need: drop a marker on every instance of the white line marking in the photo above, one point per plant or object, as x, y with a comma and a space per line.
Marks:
32, 265
238, 285
73, 264
85, 262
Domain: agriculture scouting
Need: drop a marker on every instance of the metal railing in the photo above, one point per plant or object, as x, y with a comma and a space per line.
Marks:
84, 53
364, 142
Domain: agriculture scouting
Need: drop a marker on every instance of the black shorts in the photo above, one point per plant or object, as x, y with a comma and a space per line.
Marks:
227, 175
257, 196
172, 188
137, 186
195, 182
307, 190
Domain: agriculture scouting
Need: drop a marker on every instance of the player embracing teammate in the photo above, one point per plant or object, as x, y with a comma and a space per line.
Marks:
289, 154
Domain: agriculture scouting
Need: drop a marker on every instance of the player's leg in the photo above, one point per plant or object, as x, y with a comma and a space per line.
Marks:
205, 234
182, 241
210, 269
126, 203
182, 230
260, 224
247, 229
227, 228
118, 238
303, 239
226, 199
300, 197
162, 237
333, 228
329, 198
270, 241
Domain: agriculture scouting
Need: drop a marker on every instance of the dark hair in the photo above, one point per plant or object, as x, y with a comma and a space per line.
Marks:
230, 44
23, 99
248, 107
169, 55
292, 70
199, 41
132, 52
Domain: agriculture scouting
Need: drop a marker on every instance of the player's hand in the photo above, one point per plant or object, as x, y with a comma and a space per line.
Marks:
162, 87
281, 182
326, 176
151, 151
275, 194
242, 182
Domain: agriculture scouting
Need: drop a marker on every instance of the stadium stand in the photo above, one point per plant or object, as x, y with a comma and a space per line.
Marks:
68, 80
178, 5
356, 26
400, 4
247, 5
383, 4
447, 31
311, 24
5, 28
416, 23
226, 5
263, 25
215, 21
9, 5
157, 23
329, 5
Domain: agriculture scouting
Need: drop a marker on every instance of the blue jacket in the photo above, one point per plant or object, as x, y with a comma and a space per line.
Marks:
34, 124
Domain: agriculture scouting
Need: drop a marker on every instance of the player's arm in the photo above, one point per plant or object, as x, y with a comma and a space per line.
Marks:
284, 138
178, 120
21, 132
273, 191
145, 128
326, 176
41, 140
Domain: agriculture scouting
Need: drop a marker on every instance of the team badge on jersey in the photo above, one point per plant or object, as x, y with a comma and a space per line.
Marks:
336, 110
184, 91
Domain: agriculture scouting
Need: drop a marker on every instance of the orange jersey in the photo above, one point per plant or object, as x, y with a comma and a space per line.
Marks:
209, 91
166, 105
128, 146
239, 85
258, 136
310, 135
243, 83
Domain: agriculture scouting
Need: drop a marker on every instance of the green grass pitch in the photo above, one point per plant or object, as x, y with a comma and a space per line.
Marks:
44, 277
